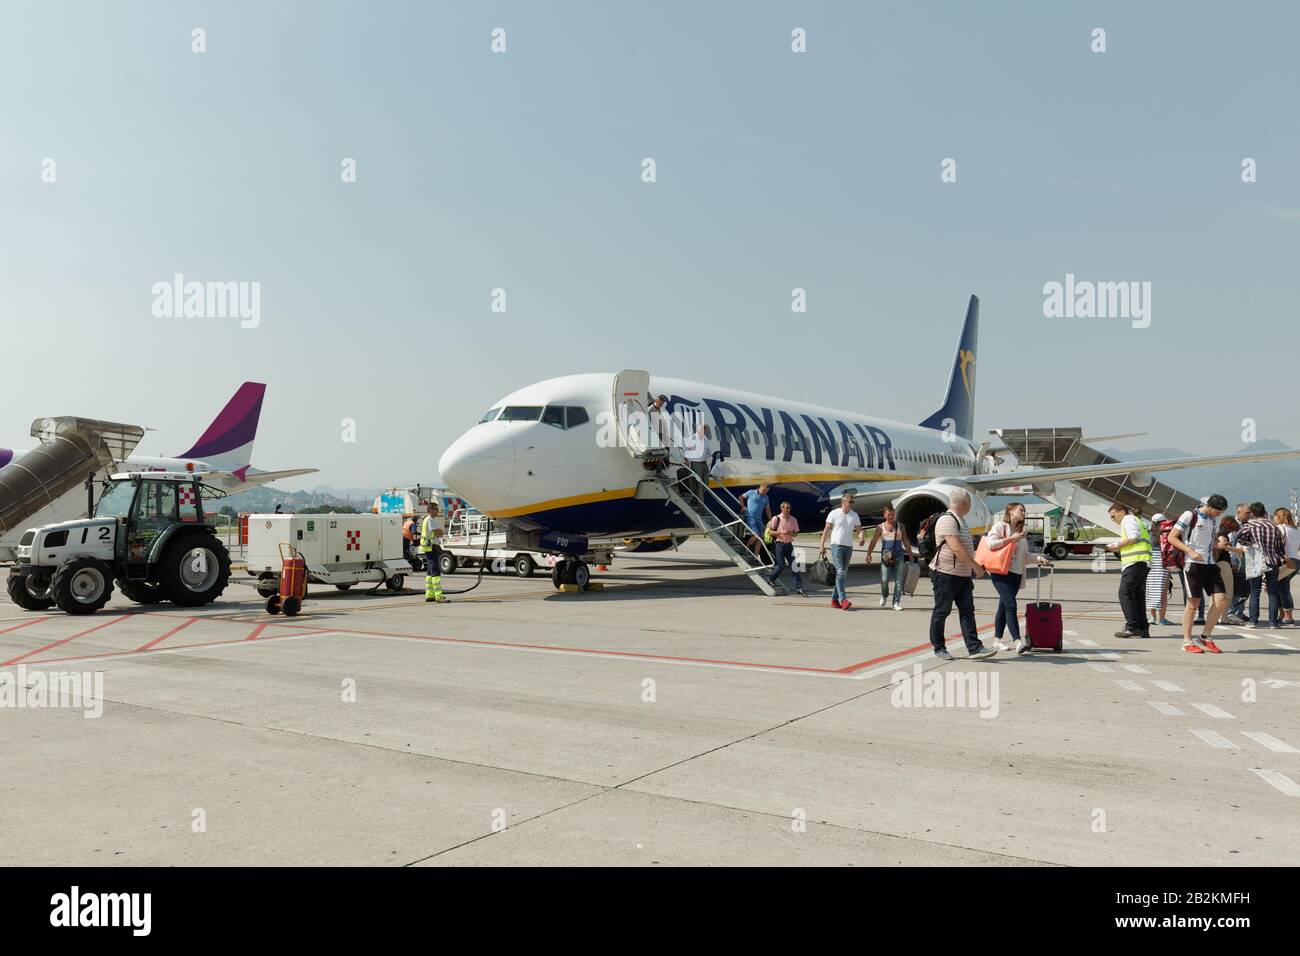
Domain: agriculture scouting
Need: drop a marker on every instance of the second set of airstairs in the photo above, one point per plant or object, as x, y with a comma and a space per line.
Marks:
643, 434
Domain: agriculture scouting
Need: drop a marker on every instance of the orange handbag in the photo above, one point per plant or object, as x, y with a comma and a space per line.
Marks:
995, 562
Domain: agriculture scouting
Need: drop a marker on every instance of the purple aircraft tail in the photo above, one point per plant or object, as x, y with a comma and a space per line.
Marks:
227, 445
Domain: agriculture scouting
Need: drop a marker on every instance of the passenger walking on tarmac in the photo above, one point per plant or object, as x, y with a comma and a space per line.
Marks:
1158, 576
1285, 522
1240, 589
1194, 535
952, 572
895, 552
840, 525
431, 531
1009, 532
1259, 532
1134, 550
784, 527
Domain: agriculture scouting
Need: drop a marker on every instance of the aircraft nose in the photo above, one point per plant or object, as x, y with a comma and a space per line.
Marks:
480, 467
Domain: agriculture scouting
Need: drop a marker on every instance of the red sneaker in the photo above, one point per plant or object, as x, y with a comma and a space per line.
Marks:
835, 602
846, 605
1193, 649
1210, 646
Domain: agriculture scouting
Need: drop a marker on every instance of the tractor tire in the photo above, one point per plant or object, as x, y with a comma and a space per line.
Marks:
448, 563
194, 570
81, 585
22, 593
141, 592
525, 565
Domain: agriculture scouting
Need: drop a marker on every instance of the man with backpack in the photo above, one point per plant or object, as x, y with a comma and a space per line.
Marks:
949, 548
1195, 535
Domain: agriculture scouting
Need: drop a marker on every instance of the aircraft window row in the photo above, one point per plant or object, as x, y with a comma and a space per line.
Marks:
931, 458
564, 416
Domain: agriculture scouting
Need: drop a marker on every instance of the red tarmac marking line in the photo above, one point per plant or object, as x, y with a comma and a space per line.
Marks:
911, 650
256, 632
28, 623
50, 647
176, 647
159, 640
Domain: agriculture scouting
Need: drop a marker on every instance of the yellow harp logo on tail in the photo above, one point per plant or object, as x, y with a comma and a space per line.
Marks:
968, 371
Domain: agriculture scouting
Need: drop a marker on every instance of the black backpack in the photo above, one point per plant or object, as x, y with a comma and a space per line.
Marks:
926, 546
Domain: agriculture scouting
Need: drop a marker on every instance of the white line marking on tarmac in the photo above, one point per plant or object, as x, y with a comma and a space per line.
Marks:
1103, 668
1085, 642
1279, 780
1215, 740
1168, 686
1169, 710
1135, 668
1129, 684
1070, 633
1269, 741
1211, 711
1285, 647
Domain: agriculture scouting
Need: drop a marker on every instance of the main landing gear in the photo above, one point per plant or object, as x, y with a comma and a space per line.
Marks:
571, 571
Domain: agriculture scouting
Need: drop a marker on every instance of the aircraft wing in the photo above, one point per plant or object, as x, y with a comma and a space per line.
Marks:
245, 478
1047, 476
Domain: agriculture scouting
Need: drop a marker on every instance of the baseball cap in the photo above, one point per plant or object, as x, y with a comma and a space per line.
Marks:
1159, 517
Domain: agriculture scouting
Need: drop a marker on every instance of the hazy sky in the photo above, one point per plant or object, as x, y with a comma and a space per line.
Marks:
522, 170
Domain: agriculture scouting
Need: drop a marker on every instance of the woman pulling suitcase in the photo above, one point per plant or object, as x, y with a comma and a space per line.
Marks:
1003, 552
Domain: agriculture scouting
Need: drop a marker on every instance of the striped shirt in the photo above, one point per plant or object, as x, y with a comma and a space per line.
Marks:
945, 561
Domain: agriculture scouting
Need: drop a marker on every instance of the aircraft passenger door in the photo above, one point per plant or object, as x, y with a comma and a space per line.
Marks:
629, 403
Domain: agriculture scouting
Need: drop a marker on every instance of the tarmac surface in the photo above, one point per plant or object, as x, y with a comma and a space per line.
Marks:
676, 717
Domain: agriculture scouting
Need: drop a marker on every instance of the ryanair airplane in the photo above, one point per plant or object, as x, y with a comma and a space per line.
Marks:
546, 460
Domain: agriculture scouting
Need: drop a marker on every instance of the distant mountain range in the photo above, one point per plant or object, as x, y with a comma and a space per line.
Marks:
1270, 481
265, 498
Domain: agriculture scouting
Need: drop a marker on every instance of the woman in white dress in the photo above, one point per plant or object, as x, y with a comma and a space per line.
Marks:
1158, 575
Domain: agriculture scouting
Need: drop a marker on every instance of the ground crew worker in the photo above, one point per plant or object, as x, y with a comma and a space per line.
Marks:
430, 531
410, 531
1134, 550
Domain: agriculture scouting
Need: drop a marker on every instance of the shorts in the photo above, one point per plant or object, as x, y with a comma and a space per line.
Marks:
1203, 579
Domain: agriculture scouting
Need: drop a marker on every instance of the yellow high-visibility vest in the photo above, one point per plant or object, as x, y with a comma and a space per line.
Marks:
1139, 550
430, 529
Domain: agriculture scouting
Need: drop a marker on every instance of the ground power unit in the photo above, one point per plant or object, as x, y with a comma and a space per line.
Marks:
340, 549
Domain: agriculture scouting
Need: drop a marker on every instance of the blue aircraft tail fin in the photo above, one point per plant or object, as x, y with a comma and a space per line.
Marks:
957, 415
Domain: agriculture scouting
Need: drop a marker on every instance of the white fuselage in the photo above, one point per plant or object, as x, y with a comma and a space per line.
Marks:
582, 480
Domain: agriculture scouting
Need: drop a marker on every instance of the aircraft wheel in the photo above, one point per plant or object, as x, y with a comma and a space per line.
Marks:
557, 574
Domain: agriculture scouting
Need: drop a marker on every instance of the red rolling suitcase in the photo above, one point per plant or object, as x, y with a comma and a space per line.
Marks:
1043, 618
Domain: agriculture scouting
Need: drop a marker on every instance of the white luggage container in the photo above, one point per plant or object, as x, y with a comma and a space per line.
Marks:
340, 549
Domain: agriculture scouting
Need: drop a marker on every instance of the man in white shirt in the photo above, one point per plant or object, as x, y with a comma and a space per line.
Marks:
1134, 548
840, 525
697, 452
1195, 535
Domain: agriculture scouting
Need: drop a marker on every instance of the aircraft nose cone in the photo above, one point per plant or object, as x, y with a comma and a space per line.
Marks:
480, 467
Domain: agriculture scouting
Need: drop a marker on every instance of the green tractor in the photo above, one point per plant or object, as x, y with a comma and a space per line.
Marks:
147, 534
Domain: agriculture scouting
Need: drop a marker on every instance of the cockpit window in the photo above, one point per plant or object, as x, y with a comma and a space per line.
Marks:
554, 415
521, 413
577, 416
490, 414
